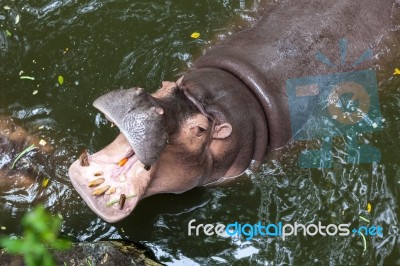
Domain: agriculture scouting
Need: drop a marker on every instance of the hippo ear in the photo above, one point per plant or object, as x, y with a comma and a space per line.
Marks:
222, 131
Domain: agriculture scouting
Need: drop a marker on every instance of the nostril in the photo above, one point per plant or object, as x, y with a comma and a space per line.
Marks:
138, 91
158, 110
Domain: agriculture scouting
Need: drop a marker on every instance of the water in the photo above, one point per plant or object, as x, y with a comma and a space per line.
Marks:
97, 46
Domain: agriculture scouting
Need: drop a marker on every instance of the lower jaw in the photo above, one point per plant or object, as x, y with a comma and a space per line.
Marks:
128, 180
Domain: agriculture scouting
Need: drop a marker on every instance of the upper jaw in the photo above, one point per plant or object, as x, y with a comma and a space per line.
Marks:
139, 118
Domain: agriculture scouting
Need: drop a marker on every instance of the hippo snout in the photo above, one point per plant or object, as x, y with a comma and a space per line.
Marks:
139, 118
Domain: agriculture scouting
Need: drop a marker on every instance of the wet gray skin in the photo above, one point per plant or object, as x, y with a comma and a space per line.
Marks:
139, 118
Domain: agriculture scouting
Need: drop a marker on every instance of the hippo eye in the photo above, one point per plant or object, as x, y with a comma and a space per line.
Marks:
200, 131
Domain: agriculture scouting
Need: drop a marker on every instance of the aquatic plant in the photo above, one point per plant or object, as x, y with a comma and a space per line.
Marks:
41, 233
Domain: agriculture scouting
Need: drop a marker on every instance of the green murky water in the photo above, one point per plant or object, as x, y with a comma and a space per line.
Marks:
97, 46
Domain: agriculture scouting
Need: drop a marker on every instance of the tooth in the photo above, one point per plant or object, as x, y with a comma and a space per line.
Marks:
96, 182
98, 173
122, 178
147, 167
121, 201
101, 190
84, 158
139, 170
111, 190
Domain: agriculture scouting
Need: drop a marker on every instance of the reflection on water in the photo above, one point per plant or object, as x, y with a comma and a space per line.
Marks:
101, 45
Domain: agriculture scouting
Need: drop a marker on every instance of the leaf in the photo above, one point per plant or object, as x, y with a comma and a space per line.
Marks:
28, 149
12, 246
35, 92
61, 244
17, 19
3, 228
112, 202
45, 182
27, 77
7, 7
364, 241
364, 219
8, 33
396, 71
40, 233
195, 35
369, 207
60, 79
89, 262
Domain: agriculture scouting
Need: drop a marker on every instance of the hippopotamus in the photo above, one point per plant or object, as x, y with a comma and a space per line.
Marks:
226, 113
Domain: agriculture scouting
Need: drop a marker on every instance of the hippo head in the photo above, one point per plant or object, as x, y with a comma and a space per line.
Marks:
179, 137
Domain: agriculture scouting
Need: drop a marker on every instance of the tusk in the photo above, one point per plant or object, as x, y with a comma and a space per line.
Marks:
121, 201
96, 182
111, 190
101, 190
84, 158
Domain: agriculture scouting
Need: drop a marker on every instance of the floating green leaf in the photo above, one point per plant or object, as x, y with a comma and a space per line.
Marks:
364, 219
27, 77
8, 33
60, 79
89, 262
28, 149
364, 241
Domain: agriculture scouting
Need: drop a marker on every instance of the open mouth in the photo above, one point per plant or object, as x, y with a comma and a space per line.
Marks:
114, 179
111, 181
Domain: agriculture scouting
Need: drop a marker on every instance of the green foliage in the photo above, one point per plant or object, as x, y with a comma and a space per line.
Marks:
60, 80
28, 149
40, 233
